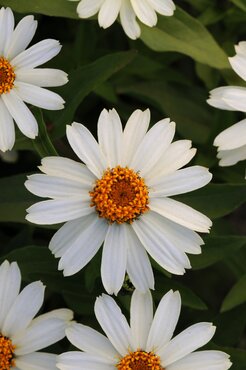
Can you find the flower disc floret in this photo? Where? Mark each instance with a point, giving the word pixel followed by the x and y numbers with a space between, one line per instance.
pixel 140 360
pixel 120 195
pixel 6 353
pixel 7 76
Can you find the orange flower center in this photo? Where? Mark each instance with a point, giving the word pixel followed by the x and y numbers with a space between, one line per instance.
pixel 120 195
pixel 7 76
pixel 140 360
pixel 6 353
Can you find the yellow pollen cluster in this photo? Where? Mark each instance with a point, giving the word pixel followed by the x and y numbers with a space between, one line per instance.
pixel 7 76
pixel 6 353
pixel 120 195
pixel 140 360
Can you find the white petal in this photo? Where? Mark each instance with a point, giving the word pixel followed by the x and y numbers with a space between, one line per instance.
pixel 78 360
pixel 138 264
pixel 186 342
pixel 24 308
pixel 153 145
pixel 230 157
pixel 181 181
pixel 113 323
pixel 86 148
pixel 164 7
pixel 6 28
pixel 56 211
pixel 10 280
pixel 181 214
pixel 37 54
pixel 91 341
pixel 22 115
pixel 165 321
pixel 110 136
pixel 134 132
pixel 229 98
pixel 21 37
pixel 108 12
pixel 203 360
pixel 61 313
pixel 84 246
pixel 114 258
pixel 39 334
pixel 38 96
pixel 44 77
pixel 36 361
pixel 149 229
pixel 67 169
pixel 88 8
pixel 144 12
pixel 128 20
pixel 233 137
pixel 141 318
pixel 55 187
pixel 7 130
pixel 238 63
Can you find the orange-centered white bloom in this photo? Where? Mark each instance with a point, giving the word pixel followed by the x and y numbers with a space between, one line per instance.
pixel 145 344
pixel 21 81
pixel 121 197
pixel 22 335
pixel 128 11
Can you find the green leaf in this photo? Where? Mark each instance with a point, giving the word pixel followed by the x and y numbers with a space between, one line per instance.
pixel 240 3
pixel 216 200
pixel 184 34
pixel 217 248
pixel 57 8
pixel 236 296
pixel 84 80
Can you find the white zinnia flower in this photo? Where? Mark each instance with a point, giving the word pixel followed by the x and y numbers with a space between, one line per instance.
pixel 108 11
pixel 121 197
pixel 21 336
pixel 144 345
pixel 20 81
pixel 231 142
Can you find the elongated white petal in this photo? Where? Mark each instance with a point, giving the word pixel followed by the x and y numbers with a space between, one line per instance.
pixel 44 77
pixel 7 130
pixel 78 360
pixel 113 323
pixel 110 136
pixel 164 7
pixel 164 322
pixel 86 148
pixel 181 181
pixel 21 37
pixel 229 98
pixel 230 157
pixel 138 265
pixel 6 28
pixel 144 12
pixel 203 360
pixel 181 214
pixel 21 313
pixel 233 137
pixel 141 318
pixel 37 54
pixel 38 96
pixel 61 313
pixel 10 280
pixel 238 63
pixel 186 342
pixel 128 20
pixel 108 12
pixel 22 115
pixel 91 341
pixel 88 8
pixel 114 258
pixel 36 361
pixel 55 211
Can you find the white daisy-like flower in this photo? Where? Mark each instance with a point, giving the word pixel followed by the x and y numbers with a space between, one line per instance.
pixel 146 344
pixel 21 81
pixel 128 10
pixel 231 142
pixel 121 197
pixel 22 335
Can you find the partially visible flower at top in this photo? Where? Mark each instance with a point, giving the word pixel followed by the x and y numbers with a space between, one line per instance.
pixel 21 81
pixel 231 142
pixel 22 335
pixel 121 197
pixel 128 10
pixel 145 344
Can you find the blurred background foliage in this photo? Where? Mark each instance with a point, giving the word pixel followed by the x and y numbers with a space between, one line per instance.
pixel 170 70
